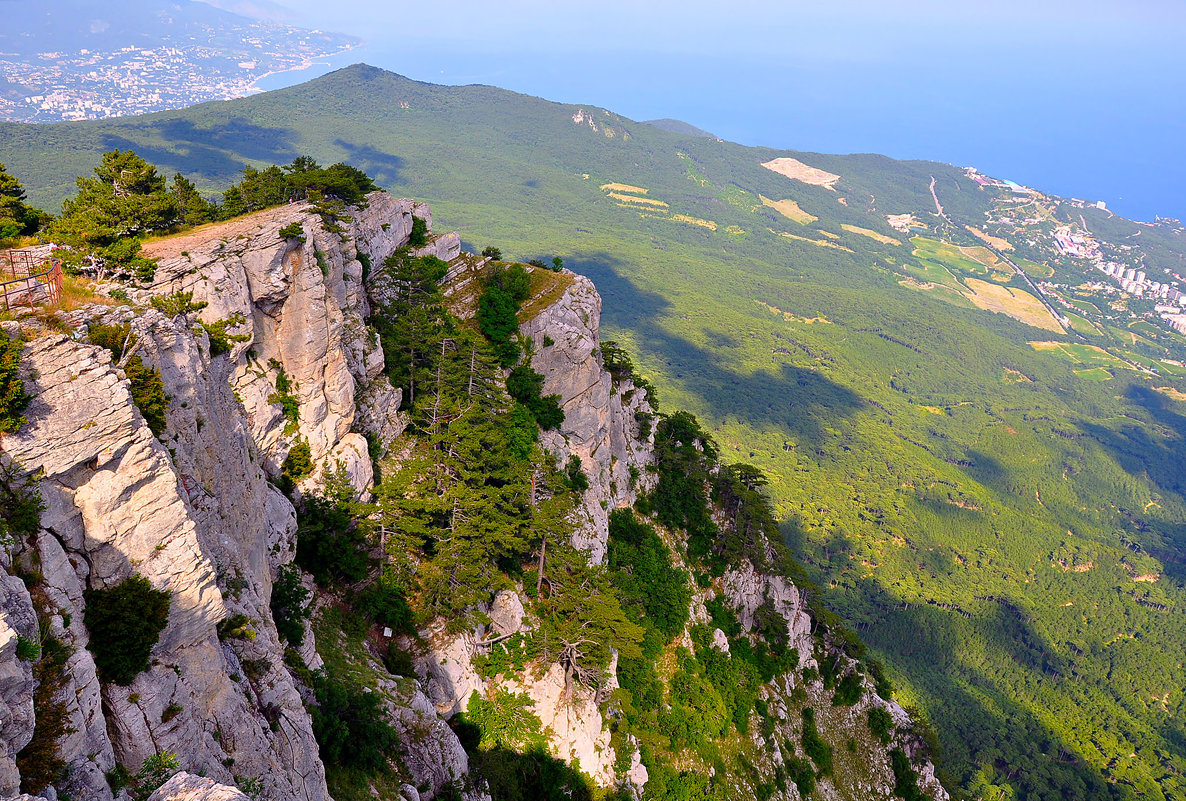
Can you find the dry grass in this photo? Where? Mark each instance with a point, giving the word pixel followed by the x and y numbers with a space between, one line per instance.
pixel 709 224
pixel 78 292
pixel 882 238
pixel 821 243
pixel 1170 392
pixel 615 187
pixel 994 241
pixel 798 171
pixel 789 209
pixel 547 287
pixel 1015 303
pixel 791 318
pixel 645 201
pixel 982 255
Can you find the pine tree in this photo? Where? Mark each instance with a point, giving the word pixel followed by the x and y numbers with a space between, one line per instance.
pixel 16 218
pixel 194 209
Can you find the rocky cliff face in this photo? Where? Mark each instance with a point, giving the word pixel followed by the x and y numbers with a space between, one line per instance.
pixel 601 426
pixel 194 511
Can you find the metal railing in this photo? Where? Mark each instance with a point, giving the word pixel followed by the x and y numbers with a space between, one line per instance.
pixel 29 278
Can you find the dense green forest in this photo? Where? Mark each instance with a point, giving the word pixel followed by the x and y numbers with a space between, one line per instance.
pixel 1003 525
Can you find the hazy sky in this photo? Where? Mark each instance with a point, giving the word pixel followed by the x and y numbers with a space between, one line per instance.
pixel 1079 98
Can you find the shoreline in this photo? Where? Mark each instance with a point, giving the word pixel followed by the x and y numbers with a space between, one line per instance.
pixel 254 87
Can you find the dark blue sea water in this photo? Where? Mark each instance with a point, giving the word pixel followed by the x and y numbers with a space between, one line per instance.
pixel 1069 124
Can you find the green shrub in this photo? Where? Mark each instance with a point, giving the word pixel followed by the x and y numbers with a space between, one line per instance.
pixel 498 320
pixel 330 545
pixel 13 400
pixel 147 389
pixel 297 465
pixel 849 689
pixel 905 777
pixel 498 310
pixel 293 231
pixel 802 774
pixel 398 661
pixel 814 745
pixel 526 385
pixel 27 649
pixel 171 711
pixel 655 592
pixel 154 772
pixel 125 622
pixel 220 340
pixel 418 238
pixel 491 252
pixel 20 505
pixel 881 682
pixel 176 304
pixel 40 762
pixel 235 627
pixel 577 480
pixel 349 725
pixel 290 405
pixel 289 601
pixel 384 602
pixel 505 720
pixel 881 723
pixel 148 393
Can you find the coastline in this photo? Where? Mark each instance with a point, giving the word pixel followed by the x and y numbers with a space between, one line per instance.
pixel 320 59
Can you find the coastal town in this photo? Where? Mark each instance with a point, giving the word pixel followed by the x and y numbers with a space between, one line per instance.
pixel 192 65
pixel 1126 281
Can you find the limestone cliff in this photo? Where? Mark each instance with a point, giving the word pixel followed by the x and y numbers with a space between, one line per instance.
pixel 601 417
pixel 194 510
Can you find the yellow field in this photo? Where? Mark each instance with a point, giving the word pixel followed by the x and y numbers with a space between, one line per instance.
pixel 823 243
pixel 1177 395
pixel 791 318
pixel 789 209
pixel 981 255
pixel 1015 303
pixel 709 224
pixel 995 241
pixel 798 171
pixel 636 190
pixel 646 201
pixel 882 238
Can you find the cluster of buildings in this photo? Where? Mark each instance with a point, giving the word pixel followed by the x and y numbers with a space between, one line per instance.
pixel 1136 283
pixel 89 84
pixel 1077 245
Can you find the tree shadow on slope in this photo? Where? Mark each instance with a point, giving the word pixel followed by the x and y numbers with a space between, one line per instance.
pixel 802 402
pixel 532 775
pixel 987 736
pixel 382 167
pixel 216 153
pixel 1146 453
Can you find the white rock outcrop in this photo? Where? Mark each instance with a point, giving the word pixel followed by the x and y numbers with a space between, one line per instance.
pixel 600 419
pixel 187 787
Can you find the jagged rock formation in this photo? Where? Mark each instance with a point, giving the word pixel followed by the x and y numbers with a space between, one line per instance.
pixel 194 511
pixel 187 787
pixel 17 618
pixel 600 415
